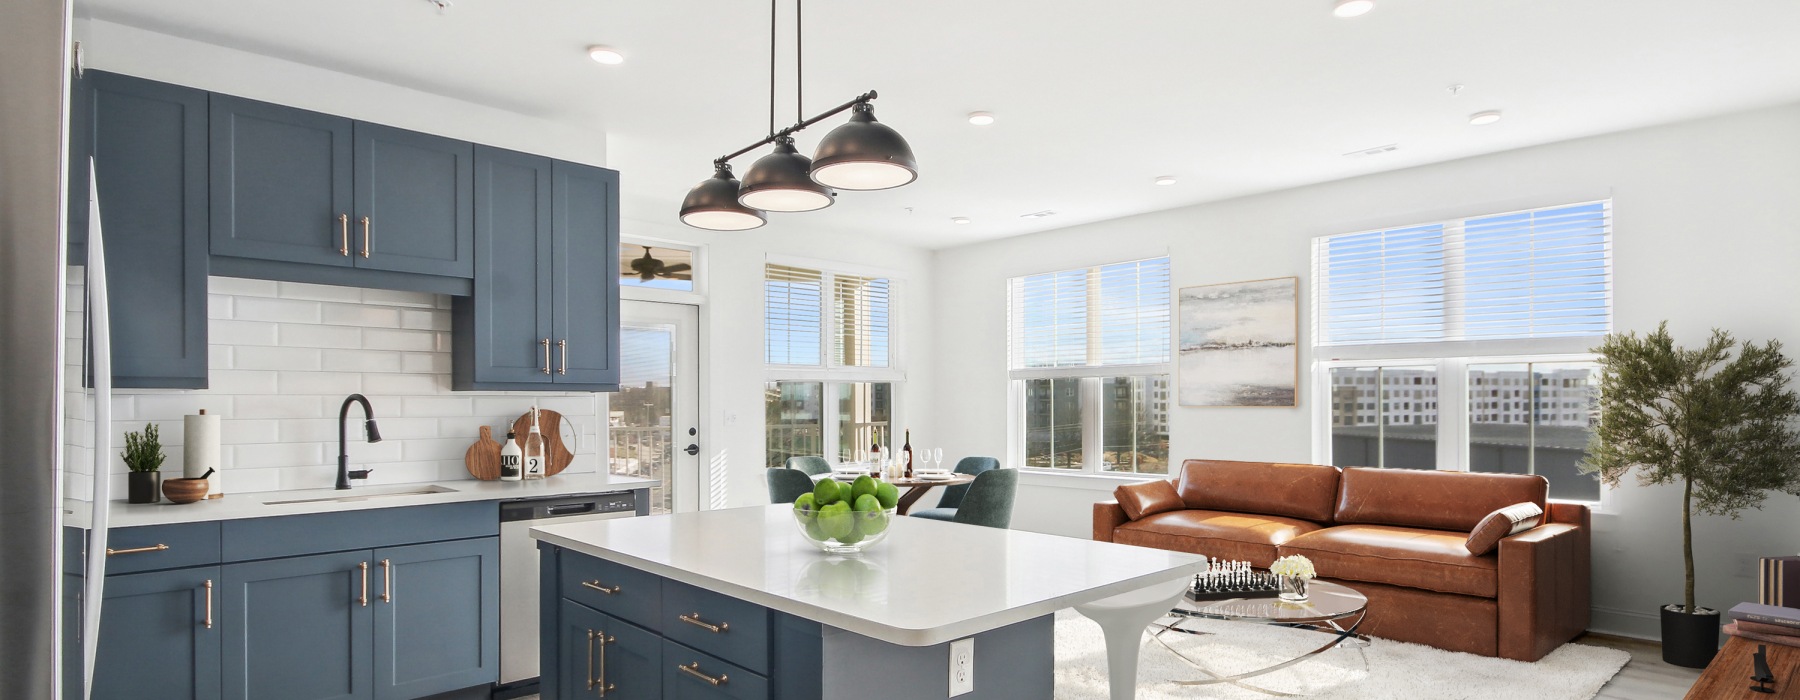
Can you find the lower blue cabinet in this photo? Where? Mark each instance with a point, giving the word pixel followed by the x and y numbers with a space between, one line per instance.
pixel 299 628
pixel 602 656
pixel 437 617
pixel 692 675
pixel 159 636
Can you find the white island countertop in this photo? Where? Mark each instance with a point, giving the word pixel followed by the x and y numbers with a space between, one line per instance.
pixel 928 583
pixel 267 504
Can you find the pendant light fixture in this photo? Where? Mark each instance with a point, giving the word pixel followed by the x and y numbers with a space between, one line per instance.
pixel 861 155
pixel 713 205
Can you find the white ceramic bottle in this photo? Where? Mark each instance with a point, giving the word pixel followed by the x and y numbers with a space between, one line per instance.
pixel 510 458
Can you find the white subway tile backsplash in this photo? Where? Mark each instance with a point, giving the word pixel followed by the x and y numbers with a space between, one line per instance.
pixel 425 320
pixel 388 297
pixel 442 448
pixel 279 406
pixel 242 432
pixel 174 406
pixel 398 384
pixel 240 381
pixel 278 454
pixel 234 332
pixel 278 310
pixel 419 341
pixel 320 292
pixel 405 428
pixel 336 384
pixel 218 357
pixel 431 363
pixel 362 361
pixel 315 336
pixel 240 287
pixel 361 315
pixel 282 358
pixel 218 306
pixel 440 406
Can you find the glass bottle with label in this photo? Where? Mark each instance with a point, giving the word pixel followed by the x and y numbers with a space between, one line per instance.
pixel 510 458
pixel 533 458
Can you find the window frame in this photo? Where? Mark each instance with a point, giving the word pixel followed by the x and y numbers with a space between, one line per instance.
pixel 1092 394
pixel 829 374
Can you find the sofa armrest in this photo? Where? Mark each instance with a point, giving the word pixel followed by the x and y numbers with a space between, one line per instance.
pixel 1545 575
pixel 1108 516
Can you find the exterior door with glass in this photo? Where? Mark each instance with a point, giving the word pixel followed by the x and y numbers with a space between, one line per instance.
pixel 654 423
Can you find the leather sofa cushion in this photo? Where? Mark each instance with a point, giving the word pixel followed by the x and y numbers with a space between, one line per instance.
pixel 1148 498
pixel 1510 520
pixel 1433 560
pixel 1304 491
pixel 1229 536
pixel 1435 500
pixel 1453 622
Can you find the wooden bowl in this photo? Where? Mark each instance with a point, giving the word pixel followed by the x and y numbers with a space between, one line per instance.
pixel 184 490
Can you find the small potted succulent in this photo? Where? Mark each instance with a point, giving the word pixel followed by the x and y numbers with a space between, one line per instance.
pixel 1294 571
pixel 144 457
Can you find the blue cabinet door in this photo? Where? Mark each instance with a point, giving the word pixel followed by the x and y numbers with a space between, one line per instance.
pixel 299 628
pixel 502 331
pixel 280 183
pixel 159 636
pixel 437 617
pixel 602 656
pixel 415 208
pixel 148 143
pixel 585 273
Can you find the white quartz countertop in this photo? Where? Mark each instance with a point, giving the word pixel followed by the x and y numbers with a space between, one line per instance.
pixel 234 506
pixel 929 582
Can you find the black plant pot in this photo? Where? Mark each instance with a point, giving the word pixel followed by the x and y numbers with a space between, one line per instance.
pixel 144 487
pixel 1690 640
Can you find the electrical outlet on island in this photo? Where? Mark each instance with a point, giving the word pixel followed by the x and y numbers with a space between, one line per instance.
pixel 962 667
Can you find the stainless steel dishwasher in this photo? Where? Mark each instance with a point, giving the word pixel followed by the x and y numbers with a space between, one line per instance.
pixel 519 568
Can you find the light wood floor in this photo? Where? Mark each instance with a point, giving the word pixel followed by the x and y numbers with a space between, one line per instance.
pixel 1645 677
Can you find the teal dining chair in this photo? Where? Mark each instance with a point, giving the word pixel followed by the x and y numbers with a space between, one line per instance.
pixel 785 485
pixel 811 465
pixel 988 502
pixel 953 495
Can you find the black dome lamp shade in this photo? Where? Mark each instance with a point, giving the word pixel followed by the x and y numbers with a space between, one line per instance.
pixel 864 154
pixel 713 205
pixel 781 181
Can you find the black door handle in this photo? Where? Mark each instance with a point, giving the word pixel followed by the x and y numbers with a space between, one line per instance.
pixel 692 449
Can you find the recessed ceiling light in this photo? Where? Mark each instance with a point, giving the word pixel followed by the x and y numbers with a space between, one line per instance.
pixel 1353 8
pixel 606 55
pixel 1165 180
pixel 981 118
pixel 1484 118
pixel 959 219
pixel 1038 214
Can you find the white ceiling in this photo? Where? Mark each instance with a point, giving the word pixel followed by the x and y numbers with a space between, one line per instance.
pixel 1093 99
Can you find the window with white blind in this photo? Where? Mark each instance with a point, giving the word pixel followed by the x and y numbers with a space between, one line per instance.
pixel 1462 345
pixel 1088 354
pixel 827 334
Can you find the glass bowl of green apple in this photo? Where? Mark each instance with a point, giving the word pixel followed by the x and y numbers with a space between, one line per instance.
pixel 846 518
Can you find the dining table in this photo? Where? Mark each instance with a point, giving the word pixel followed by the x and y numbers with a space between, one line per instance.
pixel 912 488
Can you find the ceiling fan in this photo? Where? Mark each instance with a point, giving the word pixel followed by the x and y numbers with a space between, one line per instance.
pixel 649 268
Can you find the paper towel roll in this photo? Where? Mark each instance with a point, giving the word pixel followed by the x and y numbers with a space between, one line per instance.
pixel 201 450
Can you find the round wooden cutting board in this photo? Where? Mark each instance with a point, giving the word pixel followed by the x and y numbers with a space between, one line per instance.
pixel 556 454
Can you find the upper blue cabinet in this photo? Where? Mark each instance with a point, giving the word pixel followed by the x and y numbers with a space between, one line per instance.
pixel 310 197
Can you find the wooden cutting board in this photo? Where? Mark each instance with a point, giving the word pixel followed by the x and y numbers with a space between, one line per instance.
pixel 483 457
pixel 557 455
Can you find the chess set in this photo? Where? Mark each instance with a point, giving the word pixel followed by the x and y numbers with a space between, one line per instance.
pixel 1225 580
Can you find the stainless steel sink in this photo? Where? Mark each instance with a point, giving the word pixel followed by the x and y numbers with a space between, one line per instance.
pixel 367 495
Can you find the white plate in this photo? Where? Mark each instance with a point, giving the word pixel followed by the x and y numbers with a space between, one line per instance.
pixel 939 476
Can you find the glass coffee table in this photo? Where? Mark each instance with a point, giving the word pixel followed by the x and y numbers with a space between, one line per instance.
pixel 1332 609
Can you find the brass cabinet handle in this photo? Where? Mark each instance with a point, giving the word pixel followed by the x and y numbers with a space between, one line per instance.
pixel 595 584
pixel 366 236
pixel 693 669
pixel 546 343
pixel 344 235
pixel 600 685
pixel 563 345
pixel 158 547
pixel 387 581
pixel 209 603
pixel 694 619
pixel 365 583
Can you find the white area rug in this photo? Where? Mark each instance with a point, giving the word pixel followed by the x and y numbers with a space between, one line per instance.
pixel 1395 670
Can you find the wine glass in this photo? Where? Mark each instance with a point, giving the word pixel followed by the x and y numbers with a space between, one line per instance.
pixel 937 456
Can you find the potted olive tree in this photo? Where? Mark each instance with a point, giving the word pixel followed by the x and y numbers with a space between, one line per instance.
pixel 1720 426
pixel 144 457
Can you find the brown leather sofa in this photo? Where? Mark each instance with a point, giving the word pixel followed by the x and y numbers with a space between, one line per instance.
pixel 1397 536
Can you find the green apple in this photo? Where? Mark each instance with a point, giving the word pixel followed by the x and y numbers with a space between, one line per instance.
pixel 888 494
pixel 836 521
pixel 804 505
pixel 863 486
pixel 872 523
pixel 826 491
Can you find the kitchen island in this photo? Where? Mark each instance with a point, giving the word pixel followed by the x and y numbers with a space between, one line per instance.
pixel 737 604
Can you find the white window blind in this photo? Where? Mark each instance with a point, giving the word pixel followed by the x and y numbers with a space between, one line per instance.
pixel 860 314
pixel 793 315
pixel 1105 316
pixel 1542 273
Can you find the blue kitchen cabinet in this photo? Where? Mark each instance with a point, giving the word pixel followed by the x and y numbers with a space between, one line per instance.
pixel 160 636
pixel 281 183
pixel 299 628
pixel 602 656
pixel 415 209
pixel 545 309
pixel 437 617
pixel 148 143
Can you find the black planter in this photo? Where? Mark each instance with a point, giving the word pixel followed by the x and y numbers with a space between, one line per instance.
pixel 1690 640
pixel 145 487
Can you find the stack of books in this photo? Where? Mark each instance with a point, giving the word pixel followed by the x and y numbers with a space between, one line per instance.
pixel 1765 623
pixel 1778 581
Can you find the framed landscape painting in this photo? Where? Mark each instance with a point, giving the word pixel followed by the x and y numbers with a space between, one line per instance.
pixel 1239 343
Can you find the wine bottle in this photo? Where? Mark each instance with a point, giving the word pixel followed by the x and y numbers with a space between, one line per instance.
pixel 510 457
pixel 534 450
pixel 906 449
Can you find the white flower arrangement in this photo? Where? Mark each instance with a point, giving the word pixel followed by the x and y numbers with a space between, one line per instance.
pixel 1293 565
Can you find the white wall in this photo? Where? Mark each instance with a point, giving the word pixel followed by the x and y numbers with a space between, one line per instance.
pixel 1707 233
pixel 146 54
